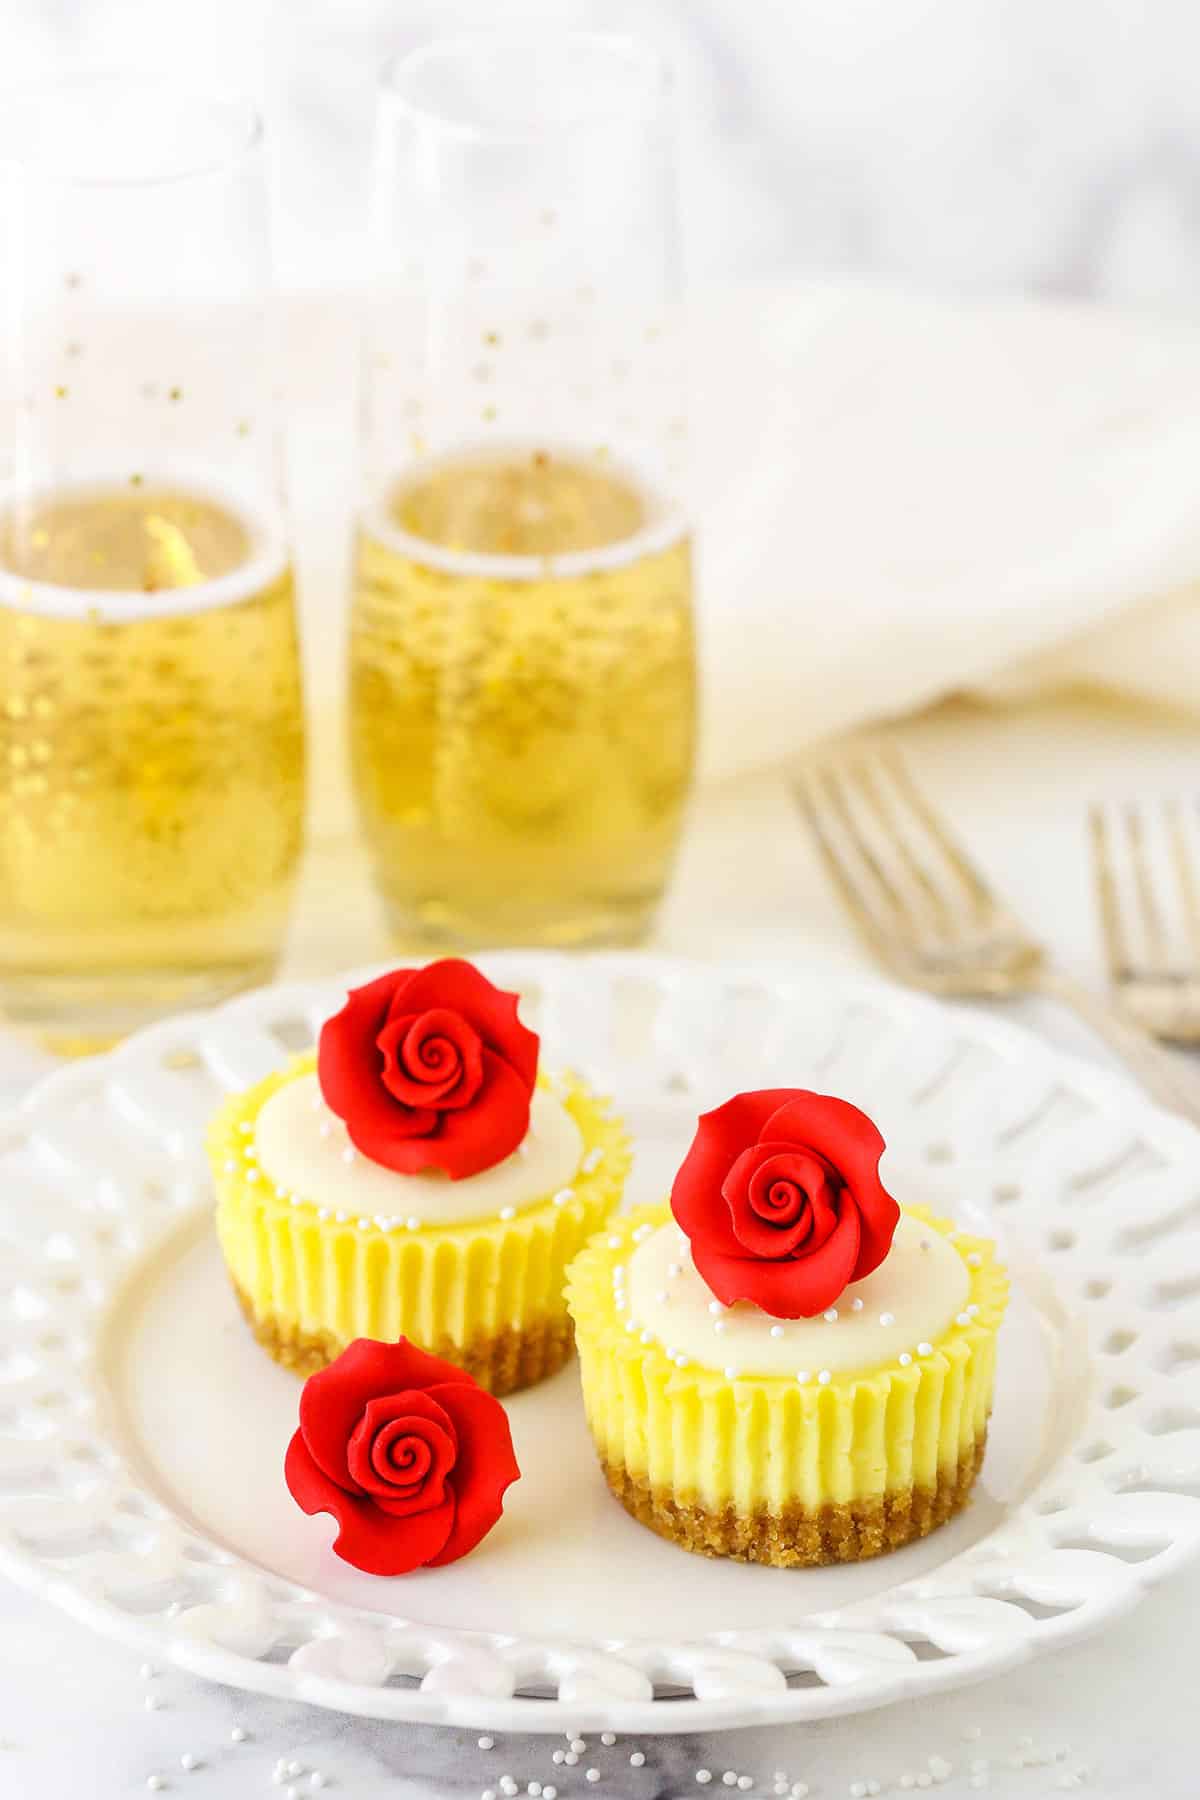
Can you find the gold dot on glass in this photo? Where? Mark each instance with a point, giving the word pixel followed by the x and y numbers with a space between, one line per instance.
pixel 489 413
pixel 416 443
pixel 136 480
pixel 175 393
pixel 243 428
pixel 602 453
pixel 492 338
pixel 60 393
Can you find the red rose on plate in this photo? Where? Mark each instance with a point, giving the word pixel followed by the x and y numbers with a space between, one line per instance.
pixel 409 1454
pixel 430 1069
pixel 781 1198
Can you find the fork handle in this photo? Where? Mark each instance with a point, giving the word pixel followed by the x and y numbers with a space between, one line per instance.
pixel 1151 1066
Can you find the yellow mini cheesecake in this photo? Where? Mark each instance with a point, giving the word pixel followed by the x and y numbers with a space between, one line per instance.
pixel 793 1441
pixel 324 1244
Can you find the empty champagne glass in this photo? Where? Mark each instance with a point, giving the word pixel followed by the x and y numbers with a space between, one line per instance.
pixel 521 652
pixel 151 737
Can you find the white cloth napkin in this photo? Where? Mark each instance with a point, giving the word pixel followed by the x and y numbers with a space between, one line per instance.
pixel 898 498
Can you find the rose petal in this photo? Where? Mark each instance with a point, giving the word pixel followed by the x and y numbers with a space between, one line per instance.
pixel 334 1399
pixel 401 1043
pixel 762 1167
pixel 486 1466
pixel 851 1143
pixel 367 1537
pixel 420 1416
pixel 462 988
pixel 476 1138
pixel 721 1137
pixel 794 1288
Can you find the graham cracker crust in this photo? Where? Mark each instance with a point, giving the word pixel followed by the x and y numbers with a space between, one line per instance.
pixel 510 1360
pixel 798 1538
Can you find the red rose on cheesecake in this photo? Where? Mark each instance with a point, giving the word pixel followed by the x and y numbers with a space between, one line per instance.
pixel 430 1069
pixel 781 1198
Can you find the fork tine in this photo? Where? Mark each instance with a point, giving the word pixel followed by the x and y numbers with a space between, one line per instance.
pixel 836 783
pixel 917 872
pixel 1143 881
pixel 863 905
pixel 938 833
pixel 1189 886
pixel 1116 947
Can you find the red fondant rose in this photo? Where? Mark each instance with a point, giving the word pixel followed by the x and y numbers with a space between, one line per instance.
pixel 408 1453
pixel 430 1069
pixel 781 1198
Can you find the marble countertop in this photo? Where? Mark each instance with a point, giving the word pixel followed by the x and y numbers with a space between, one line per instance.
pixel 80 1718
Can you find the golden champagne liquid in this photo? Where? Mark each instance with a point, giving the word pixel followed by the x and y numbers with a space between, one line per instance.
pixel 522 699
pixel 151 753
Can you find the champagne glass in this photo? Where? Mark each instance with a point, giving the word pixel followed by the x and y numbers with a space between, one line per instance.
pixel 521 650
pixel 151 734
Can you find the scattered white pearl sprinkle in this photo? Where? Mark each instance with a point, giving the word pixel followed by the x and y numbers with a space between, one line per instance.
pixel 362 1223
pixel 534 1790
pixel 924 1779
pixel 646 1338
pixel 802 1375
pixel 608 1737
pixel 549 1792
pixel 703 1777
pixel 324 1129
pixel 924 1349
pixel 578 1746
pixel 642 1233
pixel 592 1160
pixel 973 1259
pixel 904 1358
pixel 719 1326
pixel 238 1734
pixel 680 1361
pixel 488 1794
pixel 662 1296
pixel 508 1786
pixel 858 1790
pixel 349 1153
pixel 716 1306
pixel 614 1243
pixel 887 1318
pixel 231 1165
pixel 508 1212
pixel 730 1778
pixel 972 1310
pixel 246 1125
pixel 940 1769
pixel 730 1374
pixel 591 1774
pixel 339 1218
pixel 412 1224
pixel 152 1703
pixel 148 1672
pixel 565 1196
pixel 322 1212
pixel 571 1758
pixel 631 1324
pixel 317 1778
pixel 777 1331
pixel 745 1783
pixel 830 1315
pixel 155 1783
pixel 292 1792
pixel 856 1304
pixel 251 1174
pixel 907 1780
pixel 487 1743
pixel 799 1790
pixel 674 1270
pixel 189 1761
pixel 962 1318
pixel 637 1759
pixel 557 1757
pixel 295 1768
pixel 824 1377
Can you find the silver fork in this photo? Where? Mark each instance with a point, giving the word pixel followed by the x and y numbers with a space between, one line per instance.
pixel 1152 936
pixel 931 918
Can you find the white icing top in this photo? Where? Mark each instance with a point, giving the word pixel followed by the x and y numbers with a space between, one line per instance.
pixel 914 1295
pixel 303 1150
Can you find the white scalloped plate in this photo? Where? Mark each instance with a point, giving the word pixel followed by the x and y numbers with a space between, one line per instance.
pixel 142 1432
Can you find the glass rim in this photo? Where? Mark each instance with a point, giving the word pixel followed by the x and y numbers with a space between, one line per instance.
pixel 245 136
pixel 637 53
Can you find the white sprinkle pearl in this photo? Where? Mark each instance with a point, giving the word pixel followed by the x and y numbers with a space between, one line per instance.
pixel 886 1318
pixel 646 1338
pixel 534 1790
pixel 508 1786
pixel 940 1769
pixel 802 1375
pixel 238 1734
pixel 147 1671
pixel 662 1296
pixel 592 1160
pixel 295 1768
pixel 549 1792
pixel 719 1326
pixel 974 1259
pixel 680 1361
pixel 324 1129
pixel 349 1153
pixel 730 1374
pixel 799 1790
pixel 858 1790
pixel 924 1779
pixel 251 1174
pixel 745 1783
pixel 557 1757
pixel 155 1783
pixel 716 1306
pixel 830 1317
pixel 924 1349
pixel 963 1318
pixel 637 1759
pixel 591 1774
pixel 856 1304
pixel 488 1794
pixel 614 1243
pixel 777 1331
pixel 564 1196
pixel 907 1781
pixel 508 1212
pixel 703 1777
pixel 487 1743
pixel 578 1746
pixel 188 1761
pixel 230 1165
pixel 152 1703
pixel 673 1270
pixel 412 1224
pixel 608 1738
pixel 904 1358
pixel 730 1778
pixel 824 1377
pixel 316 1779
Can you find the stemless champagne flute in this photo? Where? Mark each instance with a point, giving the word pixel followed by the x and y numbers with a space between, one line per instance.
pixel 521 654
pixel 151 734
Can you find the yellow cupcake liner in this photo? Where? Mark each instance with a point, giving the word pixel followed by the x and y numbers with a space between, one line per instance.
pixel 691 1440
pixel 486 1293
